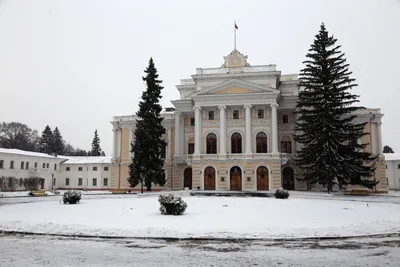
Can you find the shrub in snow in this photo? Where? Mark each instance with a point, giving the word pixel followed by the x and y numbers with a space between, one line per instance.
pixel 72 197
pixel 281 193
pixel 8 183
pixel 171 205
pixel 32 183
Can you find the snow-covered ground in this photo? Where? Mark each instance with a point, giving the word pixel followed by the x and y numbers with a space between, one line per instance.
pixel 50 193
pixel 17 251
pixel 223 217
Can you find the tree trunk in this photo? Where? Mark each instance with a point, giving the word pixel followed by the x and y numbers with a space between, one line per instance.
pixel 141 187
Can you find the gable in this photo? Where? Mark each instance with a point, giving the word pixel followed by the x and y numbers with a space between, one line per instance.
pixel 235 86
pixel 234 90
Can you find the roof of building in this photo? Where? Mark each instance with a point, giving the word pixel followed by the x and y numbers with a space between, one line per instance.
pixel 86 160
pixel 25 153
pixel 392 156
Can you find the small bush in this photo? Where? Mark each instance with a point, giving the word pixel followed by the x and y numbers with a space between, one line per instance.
pixel 72 197
pixel 281 193
pixel 171 205
pixel 32 183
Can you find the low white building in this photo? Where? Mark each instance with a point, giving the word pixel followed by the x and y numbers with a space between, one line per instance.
pixel 25 164
pixel 392 161
pixel 92 173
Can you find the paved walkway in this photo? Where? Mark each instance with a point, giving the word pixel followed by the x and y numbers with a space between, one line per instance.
pixel 37 251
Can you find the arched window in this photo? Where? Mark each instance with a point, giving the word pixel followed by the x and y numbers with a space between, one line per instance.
pixel 211 144
pixel 236 143
pixel 286 145
pixel 261 142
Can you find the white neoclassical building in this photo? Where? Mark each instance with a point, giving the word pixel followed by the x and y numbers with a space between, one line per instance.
pixel 392 161
pixel 232 129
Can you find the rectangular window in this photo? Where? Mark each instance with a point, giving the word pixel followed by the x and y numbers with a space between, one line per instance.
pixel 105 182
pixel 191 121
pixel 67 181
pixel 27 165
pixel 235 114
pixel 2 164
pixel 11 164
pixel 80 180
pixel 105 168
pixel 190 148
pixel 44 165
pixel 398 166
pixel 285 118
pixel 260 114
pixel 94 182
pixel 36 165
pixel 54 181
pixel 47 165
pixel 163 151
pixel 94 169
pixel 386 166
pixel 286 147
pixel 80 169
pixel 211 115
pixel 22 165
pixel 67 169
pixel 55 166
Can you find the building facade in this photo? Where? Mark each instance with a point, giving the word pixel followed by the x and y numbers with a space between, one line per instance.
pixel 392 161
pixel 232 129
pixel 89 173
pixel 25 164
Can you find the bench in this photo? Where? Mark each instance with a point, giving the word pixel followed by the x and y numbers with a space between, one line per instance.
pixel 39 193
pixel 118 191
pixel 359 192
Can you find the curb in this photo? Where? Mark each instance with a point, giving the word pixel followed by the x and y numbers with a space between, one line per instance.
pixel 10 233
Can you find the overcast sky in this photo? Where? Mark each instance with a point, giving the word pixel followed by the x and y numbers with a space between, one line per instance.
pixel 77 63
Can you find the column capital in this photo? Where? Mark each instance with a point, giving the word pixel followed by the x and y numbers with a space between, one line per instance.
pixel 177 112
pixel 222 107
pixel 247 106
pixel 274 105
pixel 197 107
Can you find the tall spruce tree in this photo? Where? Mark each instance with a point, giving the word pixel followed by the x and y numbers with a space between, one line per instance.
pixel 58 142
pixel 96 149
pixel 147 165
pixel 326 125
pixel 46 141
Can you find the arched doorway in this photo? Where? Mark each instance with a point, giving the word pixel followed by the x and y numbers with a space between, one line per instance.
pixel 187 178
pixel 236 179
pixel 288 178
pixel 209 178
pixel 262 178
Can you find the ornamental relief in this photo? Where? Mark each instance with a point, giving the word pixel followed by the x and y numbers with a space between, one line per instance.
pixel 262 121
pixel 286 126
pixel 236 122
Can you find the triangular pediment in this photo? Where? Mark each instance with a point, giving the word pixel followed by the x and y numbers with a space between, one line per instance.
pixel 235 86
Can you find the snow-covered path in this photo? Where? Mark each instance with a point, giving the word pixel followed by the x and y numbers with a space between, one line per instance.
pixel 19 251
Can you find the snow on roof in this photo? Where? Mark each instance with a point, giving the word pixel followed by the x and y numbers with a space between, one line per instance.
pixel 25 153
pixel 392 156
pixel 87 160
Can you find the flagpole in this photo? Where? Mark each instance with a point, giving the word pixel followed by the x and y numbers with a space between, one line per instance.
pixel 234 35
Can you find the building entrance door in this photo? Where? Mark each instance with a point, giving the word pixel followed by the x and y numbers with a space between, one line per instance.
pixel 236 179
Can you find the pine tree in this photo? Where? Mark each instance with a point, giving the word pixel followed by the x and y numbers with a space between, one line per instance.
pixel 147 165
pixel 388 149
pixel 96 150
pixel 58 142
pixel 326 125
pixel 46 141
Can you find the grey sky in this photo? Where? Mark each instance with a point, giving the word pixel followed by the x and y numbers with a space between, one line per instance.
pixel 77 63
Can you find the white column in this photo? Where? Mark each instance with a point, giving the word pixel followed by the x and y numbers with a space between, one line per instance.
pixel 380 152
pixel 182 136
pixel 119 143
pixel 177 132
pixel 130 141
pixel 248 128
pixel 274 122
pixel 373 139
pixel 169 144
pixel 197 129
pixel 114 153
pixel 222 128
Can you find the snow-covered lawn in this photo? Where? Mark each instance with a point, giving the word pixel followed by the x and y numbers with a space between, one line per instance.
pixel 205 217
pixel 49 193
